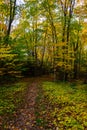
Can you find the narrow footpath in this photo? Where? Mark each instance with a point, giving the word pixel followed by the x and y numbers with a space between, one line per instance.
pixel 25 117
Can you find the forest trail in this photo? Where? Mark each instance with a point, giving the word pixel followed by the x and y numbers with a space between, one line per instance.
pixel 24 118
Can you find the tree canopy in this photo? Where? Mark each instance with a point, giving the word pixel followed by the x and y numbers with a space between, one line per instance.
pixel 42 36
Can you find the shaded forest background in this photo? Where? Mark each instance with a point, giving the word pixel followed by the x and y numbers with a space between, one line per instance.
pixel 43 37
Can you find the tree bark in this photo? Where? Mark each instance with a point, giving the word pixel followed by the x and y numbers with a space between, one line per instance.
pixel 11 18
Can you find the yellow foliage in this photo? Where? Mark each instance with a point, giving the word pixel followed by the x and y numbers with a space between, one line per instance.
pixel 60 64
pixel 60 44
pixel 6 52
pixel 7 57
pixel 3 29
pixel 14 72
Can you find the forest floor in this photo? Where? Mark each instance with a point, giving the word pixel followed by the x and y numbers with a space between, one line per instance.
pixel 24 117
pixel 45 105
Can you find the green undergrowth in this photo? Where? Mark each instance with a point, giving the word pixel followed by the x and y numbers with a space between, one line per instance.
pixel 62 106
pixel 11 97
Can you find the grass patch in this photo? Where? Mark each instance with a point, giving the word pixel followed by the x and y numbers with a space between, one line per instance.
pixel 63 106
pixel 11 97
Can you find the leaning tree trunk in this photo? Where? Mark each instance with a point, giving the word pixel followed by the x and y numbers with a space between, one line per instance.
pixel 12 6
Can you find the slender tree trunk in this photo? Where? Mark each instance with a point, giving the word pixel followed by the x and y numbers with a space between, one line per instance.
pixel 67 9
pixel 54 37
pixel 43 52
pixel 76 63
pixel 11 18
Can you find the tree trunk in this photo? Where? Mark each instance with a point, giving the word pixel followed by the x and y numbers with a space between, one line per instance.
pixel 11 18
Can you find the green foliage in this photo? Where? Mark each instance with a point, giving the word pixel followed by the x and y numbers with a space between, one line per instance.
pixel 63 105
pixel 12 61
pixel 51 32
pixel 11 97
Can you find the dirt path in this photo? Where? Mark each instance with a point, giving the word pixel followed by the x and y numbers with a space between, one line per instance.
pixel 25 117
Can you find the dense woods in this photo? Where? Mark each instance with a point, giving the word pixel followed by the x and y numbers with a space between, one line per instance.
pixel 43 37
pixel 43 64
